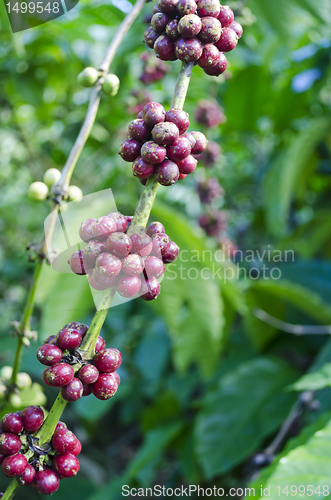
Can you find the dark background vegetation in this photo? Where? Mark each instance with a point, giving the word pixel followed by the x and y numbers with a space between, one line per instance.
pixel 205 384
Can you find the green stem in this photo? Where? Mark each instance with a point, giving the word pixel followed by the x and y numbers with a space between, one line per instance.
pixel 11 490
pixel 182 84
pixel 46 431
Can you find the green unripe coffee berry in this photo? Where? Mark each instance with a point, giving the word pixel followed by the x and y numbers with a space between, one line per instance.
pixel 111 85
pixel 38 191
pixel 75 193
pixel 88 77
pixel 2 391
pixel 15 400
pixel 23 380
pixel 51 176
pixel 6 373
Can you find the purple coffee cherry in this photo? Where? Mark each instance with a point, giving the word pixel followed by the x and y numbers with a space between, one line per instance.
pixel 76 263
pixel 108 264
pixel 227 41
pixel 188 49
pixel 85 230
pixel 108 361
pixel 33 418
pixel 49 354
pixel 119 244
pixel 51 339
pixel 79 327
pixel 153 113
pixel 179 117
pixel 210 56
pixel 210 8
pixel 179 149
pixel 128 286
pixel 87 390
pixel 64 441
pixel 185 7
pixel 200 143
pixel 161 244
pixel 141 168
pixel 237 28
pixel 132 265
pixel 191 138
pixel 172 253
pixel 167 173
pixel 68 339
pixel 188 165
pixel 100 345
pixel 141 243
pixel 14 465
pixel 138 130
pixel 150 37
pixel 27 477
pixel 105 387
pixel 130 150
pixel 66 465
pixel 72 391
pixel 154 267
pixel 172 30
pixel 92 250
pixel 159 22
pixel 88 374
pixel 189 26
pixel 10 444
pixel 94 284
pixel 211 30
pixel 117 378
pixel 120 221
pixel 103 227
pixel 58 375
pixel 156 9
pixel 167 6
pixel 218 68
pixel 153 153
pixel 164 48
pixel 47 482
pixel 154 228
pixel 103 281
pixel 12 422
pixel 226 16
pixel 165 133
pixel 150 289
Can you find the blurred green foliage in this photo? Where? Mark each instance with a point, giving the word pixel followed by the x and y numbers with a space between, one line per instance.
pixel 205 384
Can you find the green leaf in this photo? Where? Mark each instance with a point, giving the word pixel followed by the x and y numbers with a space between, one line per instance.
pixel 314 381
pixel 247 405
pixel 282 179
pixel 320 9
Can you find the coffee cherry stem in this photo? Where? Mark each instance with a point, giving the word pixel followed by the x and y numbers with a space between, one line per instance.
pixel 46 431
pixel 11 490
pixel 182 84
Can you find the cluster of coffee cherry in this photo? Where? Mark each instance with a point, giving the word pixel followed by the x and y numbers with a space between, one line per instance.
pixel 97 376
pixel 159 144
pixel 153 69
pixel 131 263
pixel 193 31
pixel 39 466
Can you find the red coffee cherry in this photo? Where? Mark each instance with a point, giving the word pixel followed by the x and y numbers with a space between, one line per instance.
pixel 103 281
pixel 88 374
pixel 209 57
pixel 33 418
pixel 108 264
pixel 64 441
pixel 49 354
pixel 188 165
pixel 128 286
pixel 94 284
pixel 164 48
pixel 154 228
pixel 72 391
pixel 165 133
pixel 185 7
pixel 9 444
pixel 172 30
pixel 138 130
pixel 58 375
pixel 209 8
pixel 159 22
pixel 85 230
pixel 120 221
pixel 51 339
pixel 141 168
pixel 87 390
pixel 227 41
pixel 150 36
pixel 47 482
pixel 179 117
pixel 119 244
pixel 141 243
pixel 103 227
pixel 150 289
pixel 92 250
pixel 237 28
pixel 14 465
pixel 100 345
pixel 12 422
pixel 108 361
pixel 200 143
pixel 161 244
pixel 211 30
pixel 66 465
pixel 172 253
pixel 78 448
pixel 166 173
pixel 218 68
pixel 167 6
pixel 188 49
pixel 189 26
pixel 68 339
pixel 27 477
pixel 226 16
pixel 179 149
pixel 60 425
pixel 132 265
pixel 130 149
pixel 154 267
pixel 117 378
pixel 105 387
pixel 153 113
pixel 153 153
pixel 76 263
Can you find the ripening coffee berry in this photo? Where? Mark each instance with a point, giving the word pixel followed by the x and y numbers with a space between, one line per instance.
pixel 150 37
pixel 108 360
pixel 237 28
pixel 76 263
pixel 150 289
pixel 111 84
pixel 47 482
pixel 179 149
pixel 68 339
pixel 49 354
pixel 60 425
pixel 66 465
pixel 117 378
pixel 33 418
pixel 120 221
pixel 85 230
pixel 227 41
pixel 172 253
pixel 209 57
pixel 185 7
pixel 165 133
pixel 159 22
pixel 211 30
pixel 108 264
pixel 88 374
pixel 226 16
pixel 128 286
pixel 130 149
pixel 103 227
pixel 105 387
pixel 153 153
pixel 9 444
pixel 154 267
pixel 161 244
pixel 51 339
pixel 119 244
pixel 156 9
pixel 14 465
pixel 12 422
pixel 141 243
pixel 188 165
pixel 141 168
pixel 100 345
pixel 104 281
pixel 166 173
pixel 74 193
pixel 52 175
pixel 78 448
pixel 132 265
pixel 200 143
pixel 138 130
pixel 188 49
pixel 172 30
pixel 154 228
pixel 88 77
pixel 58 375
pixel 218 68
pixel 164 48
pixel 189 26
pixel 167 6
pixel 153 113
pixel 38 191
pixel 72 391
pixel 209 8
pixel 27 477
pixel 93 284
pixel 179 117
pixel 92 250
pixel 64 441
